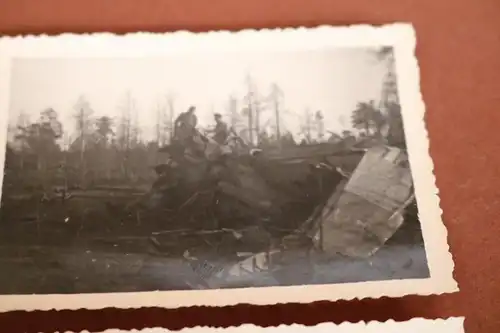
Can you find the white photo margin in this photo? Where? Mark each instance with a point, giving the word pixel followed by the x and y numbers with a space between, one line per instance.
pixel 415 325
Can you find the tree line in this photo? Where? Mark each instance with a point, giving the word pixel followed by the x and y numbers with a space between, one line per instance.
pixel 107 150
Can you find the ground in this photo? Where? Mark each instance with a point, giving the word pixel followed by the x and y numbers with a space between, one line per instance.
pixel 90 263
pixel 44 270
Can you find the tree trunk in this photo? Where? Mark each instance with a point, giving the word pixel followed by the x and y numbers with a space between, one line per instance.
pixel 257 123
pixel 277 115
pixel 250 123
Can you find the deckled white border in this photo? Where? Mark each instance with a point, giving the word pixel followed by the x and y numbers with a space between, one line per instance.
pixel 415 325
pixel 400 36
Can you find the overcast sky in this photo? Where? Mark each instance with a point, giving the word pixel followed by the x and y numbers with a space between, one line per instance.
pixel 332 80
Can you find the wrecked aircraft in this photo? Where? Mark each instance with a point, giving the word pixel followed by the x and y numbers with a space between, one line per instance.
pixel 250 208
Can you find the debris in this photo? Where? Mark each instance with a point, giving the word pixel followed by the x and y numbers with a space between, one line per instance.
pixel 358 220
pixel 248 197
pixel 252 263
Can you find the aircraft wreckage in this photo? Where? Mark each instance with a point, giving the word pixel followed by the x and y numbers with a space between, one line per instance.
pixel 233 212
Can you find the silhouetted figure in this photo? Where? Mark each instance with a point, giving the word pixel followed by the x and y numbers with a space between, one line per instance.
pixel 185 129
pixel 220 131
pixel 185 124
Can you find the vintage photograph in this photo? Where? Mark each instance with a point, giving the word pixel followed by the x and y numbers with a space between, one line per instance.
pixel 227 169
pixel 416 325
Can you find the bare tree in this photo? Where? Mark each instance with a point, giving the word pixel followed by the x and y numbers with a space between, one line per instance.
pixel 276 97
pixel 249 109
pixel 389 89
pixel 84 130
pixel 232 112
pixel 65 164
pixel 389 102
pixel 308 126
pixel 169 126
pixel 165 113
pixel 136 132
pixel 125 131
pixel 160 113
pixel 104 133
pixel 258 108
pixel 253 110
pixel 135 128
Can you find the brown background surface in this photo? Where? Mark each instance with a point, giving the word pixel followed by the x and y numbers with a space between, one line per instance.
pixel 459 54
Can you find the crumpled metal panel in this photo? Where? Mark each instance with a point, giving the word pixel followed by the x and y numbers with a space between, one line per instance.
pixel 370 208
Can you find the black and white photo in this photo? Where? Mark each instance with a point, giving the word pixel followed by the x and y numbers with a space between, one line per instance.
pixel 265 166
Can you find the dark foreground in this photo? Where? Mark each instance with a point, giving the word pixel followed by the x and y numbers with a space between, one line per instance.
pixel 64 271
pixel 133 263
pixel 101 254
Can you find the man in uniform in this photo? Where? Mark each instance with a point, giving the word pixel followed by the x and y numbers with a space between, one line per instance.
pixel 185 124
pixel 220 131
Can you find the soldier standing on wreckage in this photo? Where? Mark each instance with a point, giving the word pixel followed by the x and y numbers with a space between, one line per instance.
pixel 220 131
pixel 185 126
